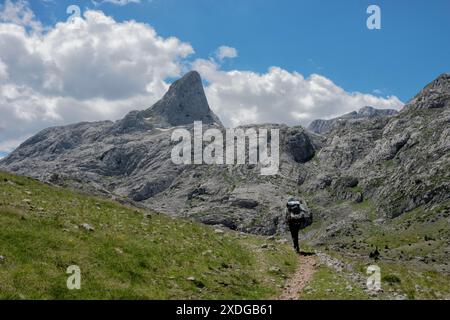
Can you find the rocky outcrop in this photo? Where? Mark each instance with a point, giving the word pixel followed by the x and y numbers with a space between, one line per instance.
pixel 300 146
pixel 434 95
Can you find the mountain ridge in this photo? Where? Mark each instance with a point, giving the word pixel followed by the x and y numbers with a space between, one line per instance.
pixel 322 126
pixel 435 95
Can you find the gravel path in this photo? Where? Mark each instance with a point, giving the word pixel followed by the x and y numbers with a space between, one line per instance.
pixel 304 273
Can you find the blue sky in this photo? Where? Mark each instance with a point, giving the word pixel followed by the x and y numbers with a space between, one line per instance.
pixel 315 36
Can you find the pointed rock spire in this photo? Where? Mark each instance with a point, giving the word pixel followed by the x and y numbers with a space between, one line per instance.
pixel 184 103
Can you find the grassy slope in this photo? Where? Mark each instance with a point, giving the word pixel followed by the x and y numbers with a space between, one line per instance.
pixel 328 284
pixel 413 247
pixel 131 254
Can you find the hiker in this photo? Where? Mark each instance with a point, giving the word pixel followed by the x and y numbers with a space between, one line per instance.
pixel 297 217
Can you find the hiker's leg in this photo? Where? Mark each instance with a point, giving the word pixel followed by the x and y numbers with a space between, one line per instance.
pixel 294 233
pixel 297 247
pixel 291 229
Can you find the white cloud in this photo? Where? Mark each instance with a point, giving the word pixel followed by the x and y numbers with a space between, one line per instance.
pixel 224 52
pixel 93 57
pixel 279 96
pixel 95 68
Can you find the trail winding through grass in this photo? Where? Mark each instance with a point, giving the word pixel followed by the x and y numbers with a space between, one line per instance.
pixel 304 273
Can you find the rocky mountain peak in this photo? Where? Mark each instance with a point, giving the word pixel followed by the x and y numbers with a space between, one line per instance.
pixel 435 95
pixel 440 84
pixel 184 103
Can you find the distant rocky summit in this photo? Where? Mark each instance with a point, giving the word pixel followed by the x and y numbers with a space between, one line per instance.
pixel 323 126
pixel 398 161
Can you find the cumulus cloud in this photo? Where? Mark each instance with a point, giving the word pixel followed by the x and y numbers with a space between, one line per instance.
pixel 224 52
pixel 91 57
pixel 90 69
pixel 279 96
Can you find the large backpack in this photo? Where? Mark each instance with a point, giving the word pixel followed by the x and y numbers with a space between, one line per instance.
pixel 299 213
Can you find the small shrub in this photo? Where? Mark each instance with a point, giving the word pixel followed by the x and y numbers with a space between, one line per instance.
pixel 392 279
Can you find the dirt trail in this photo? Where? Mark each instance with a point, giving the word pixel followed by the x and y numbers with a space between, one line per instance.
pixel 304 273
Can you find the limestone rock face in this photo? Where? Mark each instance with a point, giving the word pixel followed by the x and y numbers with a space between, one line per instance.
pixel 434 95
pixel 401 162
pixel 184 103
